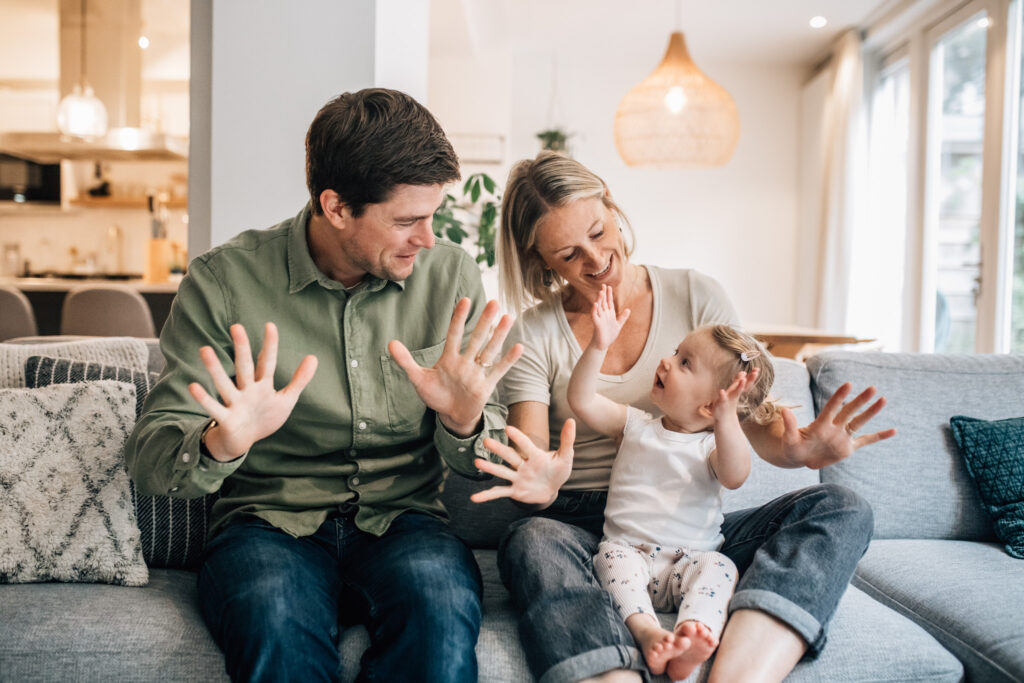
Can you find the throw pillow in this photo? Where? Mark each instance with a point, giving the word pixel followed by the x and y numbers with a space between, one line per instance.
pixel 994 455
pixel 173 529
pixel 65 505
pixel 119 351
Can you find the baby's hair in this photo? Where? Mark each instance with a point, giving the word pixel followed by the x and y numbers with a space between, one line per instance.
pixel 746 354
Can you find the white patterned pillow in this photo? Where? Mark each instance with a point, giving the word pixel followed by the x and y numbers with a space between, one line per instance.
pixel 126 352
pixel 66 513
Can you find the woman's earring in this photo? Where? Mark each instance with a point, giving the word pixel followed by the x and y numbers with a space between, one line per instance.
pixel 546 278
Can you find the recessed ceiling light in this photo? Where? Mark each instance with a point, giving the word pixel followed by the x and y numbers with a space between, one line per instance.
pixel 143 42
pixel 818 22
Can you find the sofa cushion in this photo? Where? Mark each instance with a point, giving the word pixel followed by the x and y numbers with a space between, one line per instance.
pixel 994 455
pixel 968 595
pixel 916 481
pixel 173 530
pixel 61 632
pixel 65 505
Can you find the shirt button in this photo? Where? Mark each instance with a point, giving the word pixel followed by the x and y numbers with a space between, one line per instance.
pixel 186 457
pixel 352 453
pixel 354 481
pixel 355 363
pixel 462 449
pixel 362 425
pixel 174 489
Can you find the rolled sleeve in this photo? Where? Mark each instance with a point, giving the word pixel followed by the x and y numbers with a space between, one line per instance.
pixel 459 453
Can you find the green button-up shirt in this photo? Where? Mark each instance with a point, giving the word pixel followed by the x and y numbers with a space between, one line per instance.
pixel 359 433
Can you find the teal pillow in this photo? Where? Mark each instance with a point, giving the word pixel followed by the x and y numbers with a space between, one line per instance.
pixel 994 455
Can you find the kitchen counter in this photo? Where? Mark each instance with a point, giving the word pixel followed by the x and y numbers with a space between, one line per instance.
pixel 63 284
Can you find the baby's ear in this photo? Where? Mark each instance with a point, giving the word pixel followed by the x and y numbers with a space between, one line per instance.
pixel 705 411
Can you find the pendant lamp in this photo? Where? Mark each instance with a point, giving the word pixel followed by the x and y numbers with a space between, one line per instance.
pixel 677 117
pixel 81 114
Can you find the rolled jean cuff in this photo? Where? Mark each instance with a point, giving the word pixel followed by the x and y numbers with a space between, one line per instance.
pixel 595 662
pixel 791 614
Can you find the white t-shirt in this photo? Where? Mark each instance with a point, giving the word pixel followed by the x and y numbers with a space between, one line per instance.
pixel 663 490
pixel 683 301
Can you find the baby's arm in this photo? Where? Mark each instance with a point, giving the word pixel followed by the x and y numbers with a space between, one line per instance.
pixel 731 457
pixel 599 413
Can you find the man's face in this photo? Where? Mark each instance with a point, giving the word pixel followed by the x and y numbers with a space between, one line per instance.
pixel 385 240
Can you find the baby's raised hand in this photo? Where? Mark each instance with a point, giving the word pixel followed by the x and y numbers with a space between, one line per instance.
pixel 727 402
pixel 606 324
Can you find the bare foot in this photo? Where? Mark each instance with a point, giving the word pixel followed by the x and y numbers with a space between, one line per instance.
pixel 702 644
pixel 658 645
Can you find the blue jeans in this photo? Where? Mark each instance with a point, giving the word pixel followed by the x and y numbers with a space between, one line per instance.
pixel 276 604
pixel 796 555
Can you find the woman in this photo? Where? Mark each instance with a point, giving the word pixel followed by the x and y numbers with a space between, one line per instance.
pixel 562 238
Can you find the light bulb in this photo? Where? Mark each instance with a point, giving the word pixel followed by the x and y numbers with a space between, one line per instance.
pixel 143 42
pixel 675 100
pixel 82 114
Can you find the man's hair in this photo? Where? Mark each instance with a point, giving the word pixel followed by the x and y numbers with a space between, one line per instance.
pixel 363 144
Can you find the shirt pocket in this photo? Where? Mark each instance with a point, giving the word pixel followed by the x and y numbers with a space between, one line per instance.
pixel 405 408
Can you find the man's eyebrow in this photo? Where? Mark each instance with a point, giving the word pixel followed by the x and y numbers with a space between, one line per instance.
pixel 410 219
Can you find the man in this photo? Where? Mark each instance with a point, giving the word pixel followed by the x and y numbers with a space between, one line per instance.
pixel 329 508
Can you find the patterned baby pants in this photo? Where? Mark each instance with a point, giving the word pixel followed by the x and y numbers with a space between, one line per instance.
pixel 644 578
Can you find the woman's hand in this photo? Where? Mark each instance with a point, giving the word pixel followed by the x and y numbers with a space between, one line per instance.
pixel 461 382
pixel 832 436
pixel 606 324
pixel 252 409
pixel 534 475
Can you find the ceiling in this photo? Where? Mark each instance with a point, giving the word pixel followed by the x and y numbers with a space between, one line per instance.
pixel 720 31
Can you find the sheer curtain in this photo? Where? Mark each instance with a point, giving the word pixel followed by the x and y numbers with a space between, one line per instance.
pixel 842 180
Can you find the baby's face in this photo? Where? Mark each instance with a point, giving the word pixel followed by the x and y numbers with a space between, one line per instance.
pixel 688 379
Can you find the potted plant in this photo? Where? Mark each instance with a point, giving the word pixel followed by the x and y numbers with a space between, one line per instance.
pixel 476 210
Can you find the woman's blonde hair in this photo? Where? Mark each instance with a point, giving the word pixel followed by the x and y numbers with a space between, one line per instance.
pixel 535 187
pixel 746 354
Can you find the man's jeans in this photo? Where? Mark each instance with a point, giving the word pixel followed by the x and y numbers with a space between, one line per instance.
pixel 275 603
pixel 795 555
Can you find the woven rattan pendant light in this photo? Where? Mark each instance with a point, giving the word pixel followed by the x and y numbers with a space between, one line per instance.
pixel 677 117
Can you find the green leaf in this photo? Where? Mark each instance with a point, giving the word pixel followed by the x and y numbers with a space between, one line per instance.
pixel 475 192
pixel 465 188
pixel 488 215
pixel 456 234
pixel 489 183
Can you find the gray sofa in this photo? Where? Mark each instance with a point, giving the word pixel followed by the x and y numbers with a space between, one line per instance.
pixel 934 598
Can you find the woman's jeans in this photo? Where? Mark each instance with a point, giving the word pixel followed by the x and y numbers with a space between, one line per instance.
pixel 795 555
pixel 275 603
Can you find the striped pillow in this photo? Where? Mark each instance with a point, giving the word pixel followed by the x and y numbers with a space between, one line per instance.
pixel 173 530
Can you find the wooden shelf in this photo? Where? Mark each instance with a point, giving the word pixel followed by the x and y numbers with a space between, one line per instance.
pixel 123 203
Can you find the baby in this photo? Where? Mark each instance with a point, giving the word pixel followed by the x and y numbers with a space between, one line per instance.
pixel 664 513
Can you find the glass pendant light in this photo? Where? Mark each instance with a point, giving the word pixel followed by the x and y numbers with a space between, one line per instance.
pixel 81 114
pixel 677 117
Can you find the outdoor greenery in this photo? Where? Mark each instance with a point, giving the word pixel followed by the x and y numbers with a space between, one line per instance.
pixel 474 215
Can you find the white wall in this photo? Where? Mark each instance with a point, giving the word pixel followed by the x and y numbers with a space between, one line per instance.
pixel 737 223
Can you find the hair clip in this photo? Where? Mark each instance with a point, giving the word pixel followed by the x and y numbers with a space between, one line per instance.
pixel 748 356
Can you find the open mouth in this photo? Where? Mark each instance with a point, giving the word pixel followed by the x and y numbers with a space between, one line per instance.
pixel 658 383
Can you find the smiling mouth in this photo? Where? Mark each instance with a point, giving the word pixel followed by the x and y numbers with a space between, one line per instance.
pixel 603 272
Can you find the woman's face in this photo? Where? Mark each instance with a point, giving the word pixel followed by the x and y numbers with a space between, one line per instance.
pixel 582 243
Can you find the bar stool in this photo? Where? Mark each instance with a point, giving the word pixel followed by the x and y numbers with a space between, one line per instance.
pixel 16 316
pixel 104 311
